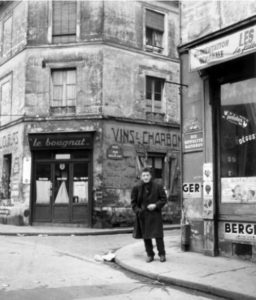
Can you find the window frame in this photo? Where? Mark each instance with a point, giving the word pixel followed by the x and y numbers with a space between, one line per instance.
pixel 64 107
pixel 152 103
pixel 50 27
pixel 154 48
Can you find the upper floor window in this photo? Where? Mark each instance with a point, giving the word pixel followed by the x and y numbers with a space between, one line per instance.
pixel 154 31
pixel 154 93
pixel 63 90
pixel 64 21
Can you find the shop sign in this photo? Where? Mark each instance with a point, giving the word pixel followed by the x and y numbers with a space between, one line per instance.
pixel 60 141
pixel 4 212
pixel 232 46
pixel 149 137
pixel 193 141
pixel 238 190
pixel 192 190
pixel 115 152
pixel 240 231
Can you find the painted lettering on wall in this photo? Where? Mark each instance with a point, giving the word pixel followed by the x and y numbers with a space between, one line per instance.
pixel 9 140
pixel 146 137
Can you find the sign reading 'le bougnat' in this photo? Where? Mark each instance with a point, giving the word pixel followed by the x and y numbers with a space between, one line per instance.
pixel 240 231
pixel 234 45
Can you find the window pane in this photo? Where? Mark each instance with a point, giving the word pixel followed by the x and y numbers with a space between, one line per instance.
pixel 57 92
pixel 238 141
pixel 157 39
pixel 149 36
pixel 57 77
pixel 71 76
pixel 71 92
pixel 148 88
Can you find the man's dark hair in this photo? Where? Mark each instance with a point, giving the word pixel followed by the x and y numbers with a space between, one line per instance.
pixel 146 169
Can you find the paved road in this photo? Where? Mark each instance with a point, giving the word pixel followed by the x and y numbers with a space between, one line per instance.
pixel 64 268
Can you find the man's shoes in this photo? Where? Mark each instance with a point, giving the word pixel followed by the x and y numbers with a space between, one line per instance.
pixel 149 259
pixel 162 258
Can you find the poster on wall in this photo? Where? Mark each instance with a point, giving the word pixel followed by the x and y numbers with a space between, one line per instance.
pixel 238 190
pixel 207 172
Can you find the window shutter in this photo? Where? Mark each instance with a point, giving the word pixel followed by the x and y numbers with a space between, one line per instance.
pixel 154 20
pixel 64 17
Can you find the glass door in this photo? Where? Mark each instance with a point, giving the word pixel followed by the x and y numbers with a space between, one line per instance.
pixel 61 192
pixel 42 192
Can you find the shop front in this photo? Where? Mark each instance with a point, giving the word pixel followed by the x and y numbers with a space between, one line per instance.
pixel 219 109
pixel 61 177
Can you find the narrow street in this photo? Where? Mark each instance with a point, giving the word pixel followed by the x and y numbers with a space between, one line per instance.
pixel 60 268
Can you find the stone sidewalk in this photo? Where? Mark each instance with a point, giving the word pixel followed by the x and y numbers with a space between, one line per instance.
pixel 225 277
pixel 61 230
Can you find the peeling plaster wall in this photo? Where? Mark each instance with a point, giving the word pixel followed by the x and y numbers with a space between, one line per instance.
pixel 124 84
pixel 200 18
pixel 88 62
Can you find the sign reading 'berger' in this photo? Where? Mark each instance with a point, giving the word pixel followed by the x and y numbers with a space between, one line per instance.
pixel 240 231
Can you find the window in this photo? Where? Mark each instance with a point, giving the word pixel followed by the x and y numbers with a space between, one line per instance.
pixel 64 21
pixel 63 90
pixel 154 93
pixel 7 37
pixel 238 141
pixel 154 31
pixel 6 176
pixel 6 99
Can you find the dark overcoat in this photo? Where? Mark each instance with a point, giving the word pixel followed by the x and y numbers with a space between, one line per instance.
pixel 148 224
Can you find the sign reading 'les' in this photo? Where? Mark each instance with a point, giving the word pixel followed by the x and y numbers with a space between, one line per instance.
pixel 236 44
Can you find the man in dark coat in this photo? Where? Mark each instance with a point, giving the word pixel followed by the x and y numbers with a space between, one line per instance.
pixel 147 200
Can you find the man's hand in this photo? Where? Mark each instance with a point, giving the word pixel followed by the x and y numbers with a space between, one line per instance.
pixel 151 206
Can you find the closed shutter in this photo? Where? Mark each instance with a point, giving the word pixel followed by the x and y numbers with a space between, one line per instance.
pixel 154 20
pixel 64 20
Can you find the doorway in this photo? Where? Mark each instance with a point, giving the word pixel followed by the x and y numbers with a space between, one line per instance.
pixel 61 187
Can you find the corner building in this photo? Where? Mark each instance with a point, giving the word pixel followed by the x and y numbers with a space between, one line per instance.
pixel 87 100
pixel 218 126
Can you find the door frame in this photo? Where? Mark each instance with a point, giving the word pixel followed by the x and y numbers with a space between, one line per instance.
pixel 52 161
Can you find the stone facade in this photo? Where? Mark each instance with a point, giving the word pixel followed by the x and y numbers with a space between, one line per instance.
pixel 111 63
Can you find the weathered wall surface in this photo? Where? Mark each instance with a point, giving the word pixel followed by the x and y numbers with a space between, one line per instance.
pixel 88 62
pixel 120 175
pixel 124 84
pixel 200 18
pixel 15 37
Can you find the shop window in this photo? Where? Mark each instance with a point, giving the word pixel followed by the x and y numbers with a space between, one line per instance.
pixel 154 93
pixel 64 21
pixel 6 176
pixel 63 91
pixel 7 37
pixel 6 99
pixel 154 31
pixel 238 141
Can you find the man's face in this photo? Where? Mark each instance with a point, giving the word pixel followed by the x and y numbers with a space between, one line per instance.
pixel 145 177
